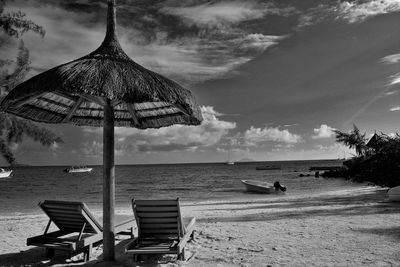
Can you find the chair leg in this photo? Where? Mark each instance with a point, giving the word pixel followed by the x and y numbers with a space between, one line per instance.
pixel 87 254
pixel 181 256
pixel 192 237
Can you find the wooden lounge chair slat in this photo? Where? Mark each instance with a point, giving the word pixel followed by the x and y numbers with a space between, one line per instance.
pixel 156 246
pixel 63 212
pixel 69 219
pixel 158 243
pixel 59 246
pixel 156 250
pixel 70 222
pixel 157 209
pixel 148 221
pixel 73 226
pixel 153 251
pixel 156 203
pixel 55 240
pixel 157 214
pixel 65 224
pixel 173 225
pixel 159 231
pixel 159 236
pixel 61 207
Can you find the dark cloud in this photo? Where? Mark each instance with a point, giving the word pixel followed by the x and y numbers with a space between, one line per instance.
pixel 169 147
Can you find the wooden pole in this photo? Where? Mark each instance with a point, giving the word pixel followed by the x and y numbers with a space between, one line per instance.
pixel 108 183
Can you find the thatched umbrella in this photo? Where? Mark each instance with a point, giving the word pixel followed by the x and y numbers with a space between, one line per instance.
pixel 104 88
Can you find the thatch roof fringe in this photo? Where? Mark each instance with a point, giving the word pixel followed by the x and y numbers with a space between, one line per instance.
pixel 59 108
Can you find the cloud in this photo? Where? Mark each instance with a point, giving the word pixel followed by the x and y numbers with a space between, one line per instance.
pixel 391 59
pixel 218 14
pixel 55 146
pixel 390 93
pixel 348 11
pixel 191 60
pixel 196 58
pixel 336 148
pixel 357 12
pixel 396 108
pixel 395 79
pixel 324 131
pixel 254 136
pixel 92 149
pixel 290 125
pixel 259 41
pixel 173 138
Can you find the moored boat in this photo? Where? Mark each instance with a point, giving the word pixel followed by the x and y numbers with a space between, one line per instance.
pixel 263 187
pixel 4 173
pixel 259 186
pixel 394 194
pixel 77 169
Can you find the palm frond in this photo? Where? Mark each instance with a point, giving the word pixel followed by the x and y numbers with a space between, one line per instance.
pixel 21 127
pixel 15 24
pixel 20 71
pixel 353 139
pixel 6 152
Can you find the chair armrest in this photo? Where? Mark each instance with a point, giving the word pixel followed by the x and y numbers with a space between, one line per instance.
pixel 189 227
pixel 131 244
pixel 128 222
pixel 126 227
pixel 189 230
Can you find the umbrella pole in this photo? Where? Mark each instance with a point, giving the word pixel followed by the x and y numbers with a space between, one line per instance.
pixel 108 183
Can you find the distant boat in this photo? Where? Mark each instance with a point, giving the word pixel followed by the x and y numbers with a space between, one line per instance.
pixel 229 161
pixel 4 173
pixel 268 167
pixel 394 194
pixel 76 169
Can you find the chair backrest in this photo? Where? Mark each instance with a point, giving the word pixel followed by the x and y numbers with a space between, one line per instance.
pixel 70 216
pixel 158 219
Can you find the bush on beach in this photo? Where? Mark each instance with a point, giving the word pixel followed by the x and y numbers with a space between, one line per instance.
pixel 377 161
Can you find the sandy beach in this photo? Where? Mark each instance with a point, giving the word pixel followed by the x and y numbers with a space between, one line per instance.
pixel 357 227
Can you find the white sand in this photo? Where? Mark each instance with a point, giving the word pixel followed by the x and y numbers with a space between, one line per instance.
pixel 346 228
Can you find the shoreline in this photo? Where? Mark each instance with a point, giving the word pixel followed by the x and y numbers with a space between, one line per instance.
pixel 249 197
pixel 341 228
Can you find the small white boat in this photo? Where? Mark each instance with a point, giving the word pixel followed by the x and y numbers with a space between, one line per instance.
pixel 259 186
pixel 4 173
pixel 394 194
pixel 76 169
pixel 229 163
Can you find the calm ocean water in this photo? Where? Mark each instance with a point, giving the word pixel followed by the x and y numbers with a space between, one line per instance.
pixel 191 182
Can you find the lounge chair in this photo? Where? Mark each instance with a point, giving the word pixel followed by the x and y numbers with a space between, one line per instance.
pixel 161 229
pixel 78 230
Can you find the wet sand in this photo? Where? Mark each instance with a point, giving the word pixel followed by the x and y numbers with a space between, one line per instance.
pixel 358 227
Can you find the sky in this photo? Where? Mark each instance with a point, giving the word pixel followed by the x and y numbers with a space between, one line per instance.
pixel 273 78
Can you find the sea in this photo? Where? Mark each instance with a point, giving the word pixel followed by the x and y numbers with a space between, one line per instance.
pixel 196 182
